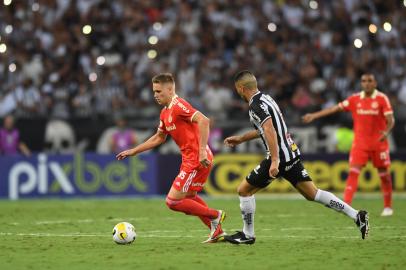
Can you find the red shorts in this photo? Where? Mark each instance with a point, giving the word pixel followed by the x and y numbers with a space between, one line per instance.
pixel 380 158
pixel 191 179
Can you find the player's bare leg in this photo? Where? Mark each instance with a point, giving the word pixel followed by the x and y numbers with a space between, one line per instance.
pixel 312 193
pixel 247 205
pixel 386 187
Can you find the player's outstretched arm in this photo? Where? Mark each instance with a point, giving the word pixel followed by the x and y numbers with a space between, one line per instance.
pixel 236 140
pixel 155 140
pixel 310 117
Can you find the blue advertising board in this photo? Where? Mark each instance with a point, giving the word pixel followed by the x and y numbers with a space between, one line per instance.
pixel 95 175
pixel 43 175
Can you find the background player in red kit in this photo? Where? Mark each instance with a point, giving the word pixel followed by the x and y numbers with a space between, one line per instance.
pixel 189 128
pixel 373 120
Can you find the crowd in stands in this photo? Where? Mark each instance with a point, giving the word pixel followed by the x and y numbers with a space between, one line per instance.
pixel 302 52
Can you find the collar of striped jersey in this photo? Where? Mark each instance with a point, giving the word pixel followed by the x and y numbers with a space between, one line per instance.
pixel 257 93
pixel 374 94
pixel 172 101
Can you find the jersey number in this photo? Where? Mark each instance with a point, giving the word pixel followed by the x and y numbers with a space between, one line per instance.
pixel 182 175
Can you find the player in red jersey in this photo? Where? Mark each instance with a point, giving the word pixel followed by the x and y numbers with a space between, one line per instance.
pixel 189 128
pixel 373 120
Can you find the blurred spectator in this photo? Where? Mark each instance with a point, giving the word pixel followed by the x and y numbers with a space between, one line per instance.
pixel 28 100
pixel 298 50
pixel 123 137
pixel 10 143
pixel 82 102
pixel 217 100
pixel 215 140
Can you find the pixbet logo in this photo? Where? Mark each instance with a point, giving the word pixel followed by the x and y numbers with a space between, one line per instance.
pixel 78 176
pixel 36 177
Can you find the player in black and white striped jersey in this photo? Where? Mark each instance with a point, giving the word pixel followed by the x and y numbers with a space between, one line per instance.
pixel 282 160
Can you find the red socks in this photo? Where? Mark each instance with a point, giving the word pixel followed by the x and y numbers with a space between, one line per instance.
pixel 386 187
pixel 194 206
pixel 351 185
pixel 205 220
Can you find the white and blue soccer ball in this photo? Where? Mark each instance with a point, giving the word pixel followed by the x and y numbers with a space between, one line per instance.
pixel 124 233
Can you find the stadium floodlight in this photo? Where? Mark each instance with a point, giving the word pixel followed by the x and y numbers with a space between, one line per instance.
pixel 35 7
pixel 12 67
pixel 358 43
pixel 7 2
pixel 313 4
pixel 157 26
pixel 100 60
pixel 373 28
pixel 387 27
pixel 92 77
pixel 152 54
pixel 272 27
pixel 87 29
pixel 153 40
pixel 8 29
pixel 3 48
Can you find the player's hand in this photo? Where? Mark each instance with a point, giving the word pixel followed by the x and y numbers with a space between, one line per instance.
pixel 232 141
pixel 384 135
pixel 308 118
pixel 274 169
pixel 125 153
pixel 204 161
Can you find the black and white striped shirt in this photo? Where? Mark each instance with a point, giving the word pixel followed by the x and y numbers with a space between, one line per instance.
pixel 261 108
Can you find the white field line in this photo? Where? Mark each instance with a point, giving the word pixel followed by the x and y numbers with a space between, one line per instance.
pixel 63 221
pixel 47 222
pixel 52 222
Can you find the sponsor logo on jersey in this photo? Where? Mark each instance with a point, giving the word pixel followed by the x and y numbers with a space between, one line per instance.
pixel 374 105
pixel 304 173
pixel 170 128
pixel 198 184
pixel 183 107
pixel 287 168
pixel 367 112
pixel 265 108
pixel 254 117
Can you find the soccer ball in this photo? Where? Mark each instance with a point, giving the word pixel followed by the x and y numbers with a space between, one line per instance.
pixel 124 233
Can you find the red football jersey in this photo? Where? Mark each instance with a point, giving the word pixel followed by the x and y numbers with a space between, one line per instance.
pixel 368 114
pixel 176 120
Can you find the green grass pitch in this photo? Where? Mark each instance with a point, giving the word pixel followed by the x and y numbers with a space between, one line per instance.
pixel 291 234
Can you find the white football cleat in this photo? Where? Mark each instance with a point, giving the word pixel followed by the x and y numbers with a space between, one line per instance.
pixel 387 211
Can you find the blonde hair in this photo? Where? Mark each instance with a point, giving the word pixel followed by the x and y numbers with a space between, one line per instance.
pixel 163 78
pixel 246 79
